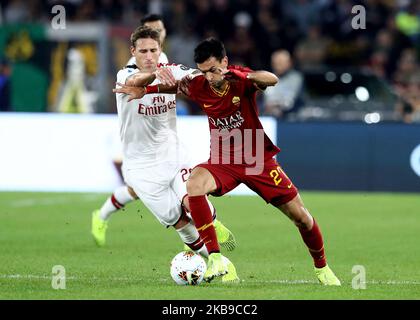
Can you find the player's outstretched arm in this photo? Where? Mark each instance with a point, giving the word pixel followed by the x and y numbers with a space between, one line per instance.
pixel 162 88
pixel 180 87
pixel 138 92
pixel 261 78
pixel 133 92
pixel 141 79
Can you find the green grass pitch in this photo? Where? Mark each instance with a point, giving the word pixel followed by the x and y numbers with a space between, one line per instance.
pixel 41 230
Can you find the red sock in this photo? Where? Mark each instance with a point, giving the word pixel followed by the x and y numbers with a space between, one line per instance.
pixel 315 244
pixel 203 219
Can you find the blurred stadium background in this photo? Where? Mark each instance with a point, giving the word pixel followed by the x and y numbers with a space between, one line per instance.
pixel 346 113
pixel 343 90
pixel 334 58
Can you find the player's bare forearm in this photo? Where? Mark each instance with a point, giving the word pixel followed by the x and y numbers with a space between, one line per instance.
pixel 263 78
pixel 166 88
pixel 180 88
pixel 141 79
pixel 138 92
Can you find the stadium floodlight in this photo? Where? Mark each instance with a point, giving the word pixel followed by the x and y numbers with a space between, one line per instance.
pixel 373 117
pixel 362 94
pixel 346 78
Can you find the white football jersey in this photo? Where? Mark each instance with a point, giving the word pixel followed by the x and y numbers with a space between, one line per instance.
pixel 162 59
pixel 148 125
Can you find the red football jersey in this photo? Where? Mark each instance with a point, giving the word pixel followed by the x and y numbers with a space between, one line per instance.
pixel 236 132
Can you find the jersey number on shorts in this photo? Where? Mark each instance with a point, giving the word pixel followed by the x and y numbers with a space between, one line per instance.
pixel 275 174
pixel 185 174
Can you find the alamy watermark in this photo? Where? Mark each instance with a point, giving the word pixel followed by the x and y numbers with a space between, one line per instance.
pixel 59 20
pixel 58 279
pixel 359 280
pixel 359 20
pixel 247 145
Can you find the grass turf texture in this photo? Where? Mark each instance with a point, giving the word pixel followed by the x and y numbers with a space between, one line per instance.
pixel 40 230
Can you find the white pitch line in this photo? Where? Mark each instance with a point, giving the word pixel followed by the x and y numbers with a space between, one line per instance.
pixel 301 281
pixel 45 277
pixel 30 202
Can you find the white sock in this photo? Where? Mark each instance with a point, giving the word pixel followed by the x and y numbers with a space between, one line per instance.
pixel 203 251
pixel 115 202
pixel 188 233
pixel 190 236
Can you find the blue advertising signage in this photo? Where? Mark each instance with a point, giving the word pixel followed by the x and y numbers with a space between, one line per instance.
pixel 351 156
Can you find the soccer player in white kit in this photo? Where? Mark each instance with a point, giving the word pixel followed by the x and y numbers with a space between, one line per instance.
pixel 124 194
pixel 155 163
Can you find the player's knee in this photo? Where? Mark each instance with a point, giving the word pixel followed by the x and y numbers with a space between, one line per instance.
pixel 300 223
pixel 195 187
pixel 303 220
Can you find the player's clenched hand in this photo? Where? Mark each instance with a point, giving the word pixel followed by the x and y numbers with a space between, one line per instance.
pixel 165 76
pixel 132 92
pixel 184 84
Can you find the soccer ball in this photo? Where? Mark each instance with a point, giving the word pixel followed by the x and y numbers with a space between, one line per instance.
pixel 188 268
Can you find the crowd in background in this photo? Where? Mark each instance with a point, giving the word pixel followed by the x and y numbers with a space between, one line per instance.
pixel 316 33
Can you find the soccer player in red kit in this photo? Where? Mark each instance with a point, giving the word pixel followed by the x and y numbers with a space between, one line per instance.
pixel 241 152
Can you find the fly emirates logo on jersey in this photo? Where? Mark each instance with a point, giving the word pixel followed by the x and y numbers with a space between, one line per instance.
pixel 159 106
pixel 228 123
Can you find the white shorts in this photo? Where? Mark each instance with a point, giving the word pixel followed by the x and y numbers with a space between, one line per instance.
pixel 161 188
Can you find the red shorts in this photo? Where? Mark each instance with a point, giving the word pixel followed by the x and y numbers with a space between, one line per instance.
pixel 273 185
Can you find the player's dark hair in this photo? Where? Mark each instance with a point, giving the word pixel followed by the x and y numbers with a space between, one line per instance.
pixel 208 48
pixel 144 32
pixel 150 18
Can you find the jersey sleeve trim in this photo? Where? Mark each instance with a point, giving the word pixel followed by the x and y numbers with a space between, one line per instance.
pixel 126 73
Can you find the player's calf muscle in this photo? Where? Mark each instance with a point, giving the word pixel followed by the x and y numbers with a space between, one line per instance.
pixel 183 221
pixel 132 193
pixel 297 212
pixel 186 203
